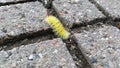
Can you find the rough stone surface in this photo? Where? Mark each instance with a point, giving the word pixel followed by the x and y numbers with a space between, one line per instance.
pixel 22 19
pixel 45 54
pixel 101 45
pixel 111 6
pixel 5 1
pixel 76 11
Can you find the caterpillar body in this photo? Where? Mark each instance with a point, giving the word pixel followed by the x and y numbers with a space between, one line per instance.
pixel 57 26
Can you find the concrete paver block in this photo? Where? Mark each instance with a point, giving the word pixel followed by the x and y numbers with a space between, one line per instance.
pixel 45 54
pixel 76 11
pixel 22 19
pixel 101 45
pixel 111 6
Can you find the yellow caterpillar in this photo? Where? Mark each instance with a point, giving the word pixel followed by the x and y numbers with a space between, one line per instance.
pixel 57 26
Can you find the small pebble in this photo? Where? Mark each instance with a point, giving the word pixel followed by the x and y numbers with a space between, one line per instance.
pixel 40 55
pixel 31 57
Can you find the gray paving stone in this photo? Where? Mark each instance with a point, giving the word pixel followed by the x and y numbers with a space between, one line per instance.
pixel 111 6
pixel 45 54
pixel 22 19
pixel 101 45
pixel 5 1
pixel 76 11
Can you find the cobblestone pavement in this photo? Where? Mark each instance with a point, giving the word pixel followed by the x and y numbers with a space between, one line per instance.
pixel 27 41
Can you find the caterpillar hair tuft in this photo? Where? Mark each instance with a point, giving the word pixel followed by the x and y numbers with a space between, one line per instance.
pixel 57 26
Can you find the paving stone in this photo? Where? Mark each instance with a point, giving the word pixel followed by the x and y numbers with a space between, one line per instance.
pixel 76 11
pixel 5 1
pixel 111 6
pixel 22 19
pixel 101 45
pixel 45 54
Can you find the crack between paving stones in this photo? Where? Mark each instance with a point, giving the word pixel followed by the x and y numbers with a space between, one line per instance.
pixel 27 38
pixel 77 54
pixel 100 8
pixel 113 21
pixel 17 2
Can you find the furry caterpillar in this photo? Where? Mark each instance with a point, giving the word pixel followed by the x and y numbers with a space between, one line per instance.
pixel 57 26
